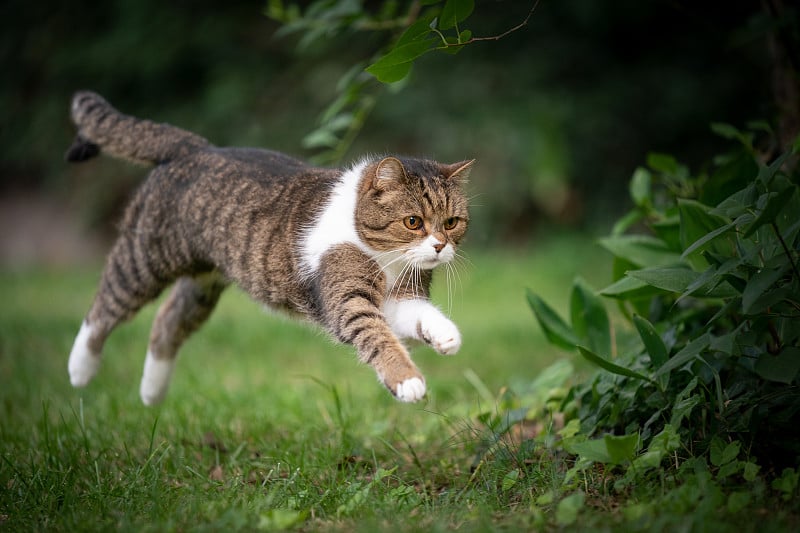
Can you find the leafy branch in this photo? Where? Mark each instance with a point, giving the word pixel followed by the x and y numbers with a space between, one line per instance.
pixel 427 26
pixel 430 33
pixel 499 36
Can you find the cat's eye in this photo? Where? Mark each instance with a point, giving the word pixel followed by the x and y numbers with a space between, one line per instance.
pixel 413 222
pixel 450 223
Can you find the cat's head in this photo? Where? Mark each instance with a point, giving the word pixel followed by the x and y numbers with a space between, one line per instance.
pixel 413 211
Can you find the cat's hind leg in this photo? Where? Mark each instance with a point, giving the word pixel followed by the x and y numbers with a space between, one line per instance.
pixel 128 282
pixel 189 304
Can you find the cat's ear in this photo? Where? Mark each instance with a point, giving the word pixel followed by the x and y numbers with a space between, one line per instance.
pixel 389 170
pixel 458 171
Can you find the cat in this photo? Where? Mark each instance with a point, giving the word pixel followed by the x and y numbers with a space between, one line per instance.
pixel 349 249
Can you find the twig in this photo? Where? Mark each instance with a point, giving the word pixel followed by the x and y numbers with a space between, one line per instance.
pixel 786 249
pixel 500 36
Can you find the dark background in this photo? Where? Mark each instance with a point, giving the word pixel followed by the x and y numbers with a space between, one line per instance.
pixel 558 114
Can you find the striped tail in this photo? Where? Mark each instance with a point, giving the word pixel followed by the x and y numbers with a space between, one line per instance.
pixel 103 128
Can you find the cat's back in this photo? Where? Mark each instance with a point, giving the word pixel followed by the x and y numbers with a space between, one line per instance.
pixel 241 177
pixel 254 165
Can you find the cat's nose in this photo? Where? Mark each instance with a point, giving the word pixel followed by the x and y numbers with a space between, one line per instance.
pixel 439 246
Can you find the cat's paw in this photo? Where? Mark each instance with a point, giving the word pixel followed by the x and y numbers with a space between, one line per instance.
pixel 83 362
pixel 410 390
pixel 441 334
pixel 155 379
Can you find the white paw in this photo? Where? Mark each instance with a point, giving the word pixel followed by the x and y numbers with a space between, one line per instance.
pixel 83 362
pixel 155 379
pixel 411 390
pixel 441 334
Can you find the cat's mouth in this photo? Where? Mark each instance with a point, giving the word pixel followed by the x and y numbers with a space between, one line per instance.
pixel 426 259
pixel 431 263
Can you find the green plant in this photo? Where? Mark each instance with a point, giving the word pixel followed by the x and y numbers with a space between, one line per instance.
pixel 703 366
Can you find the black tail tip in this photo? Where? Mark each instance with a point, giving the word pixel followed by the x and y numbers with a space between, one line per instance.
pixel 81 150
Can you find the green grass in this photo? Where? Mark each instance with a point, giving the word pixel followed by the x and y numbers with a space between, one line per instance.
pixel 268 423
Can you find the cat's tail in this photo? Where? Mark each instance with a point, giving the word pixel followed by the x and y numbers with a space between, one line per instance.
pixel 101 127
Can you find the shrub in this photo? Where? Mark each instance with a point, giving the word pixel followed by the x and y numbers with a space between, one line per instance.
pixel 705 356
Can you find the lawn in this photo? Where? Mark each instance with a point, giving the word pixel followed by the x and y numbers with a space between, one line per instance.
pixel 268 424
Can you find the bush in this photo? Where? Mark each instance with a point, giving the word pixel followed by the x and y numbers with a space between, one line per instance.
pixel 706 358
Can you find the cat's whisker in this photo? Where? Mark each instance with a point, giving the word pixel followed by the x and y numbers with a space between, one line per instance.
pixel 454 267
pixel 448 268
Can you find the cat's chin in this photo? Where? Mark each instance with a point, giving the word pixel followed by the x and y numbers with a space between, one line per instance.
pixel 429 264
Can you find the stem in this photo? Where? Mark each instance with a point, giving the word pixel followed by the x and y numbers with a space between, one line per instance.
pixel 775 346
pixel 496 37
pixel 786 249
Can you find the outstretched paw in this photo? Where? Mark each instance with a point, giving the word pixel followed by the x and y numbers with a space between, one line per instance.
pixel 441 334
pixel 410 390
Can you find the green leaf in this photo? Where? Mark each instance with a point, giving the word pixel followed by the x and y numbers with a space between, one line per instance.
pixel 787 483
pixel 568 509
pixel 641 187
pixel 510 479
pixel 663 163
pixel 668 230
pixel 280 519
pixel 665 442
pixel 622 448
pixel 750 471
pixel 610 449
pixel 782 368
pixel 721 453
pixel 737 203
pixel 589 318
pixel 623 224
pixel 775 202
pixel 706 239
pixel 652 341
pixel 641 250
pixel 668 279
pixel 678 280
pixel 455 11
pixel 705 279
pixel 760 283
pixel 321 138
pixel 689 352
pixel 729 132
pixel 766 173
pixel 605 364
pixel 697 220
pixel 683 408
pixel 396 64
pixel 629 288
pixel 685 402
pixel 416 32
pixel 555 329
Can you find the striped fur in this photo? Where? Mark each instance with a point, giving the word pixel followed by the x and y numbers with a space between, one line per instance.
pixel 329 244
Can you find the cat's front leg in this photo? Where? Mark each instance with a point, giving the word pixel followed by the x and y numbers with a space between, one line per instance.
pixel 417 318
pixel 350 289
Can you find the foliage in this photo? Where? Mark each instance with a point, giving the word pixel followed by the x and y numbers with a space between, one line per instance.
pixel 417 28
pixel 703 373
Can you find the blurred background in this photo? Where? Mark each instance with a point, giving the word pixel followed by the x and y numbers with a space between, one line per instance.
pixel 558 114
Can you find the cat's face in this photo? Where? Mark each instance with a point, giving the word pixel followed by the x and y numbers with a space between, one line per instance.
pixel 413 212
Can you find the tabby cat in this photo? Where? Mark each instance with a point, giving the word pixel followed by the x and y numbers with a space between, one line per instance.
pixel 350 249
